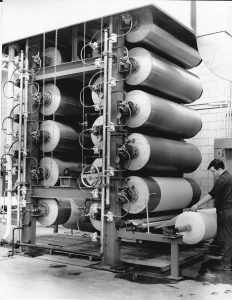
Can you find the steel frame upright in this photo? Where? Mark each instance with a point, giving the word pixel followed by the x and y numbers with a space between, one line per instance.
pixel 115 94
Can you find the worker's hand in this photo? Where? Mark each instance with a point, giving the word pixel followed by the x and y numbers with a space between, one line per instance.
pixel 194 207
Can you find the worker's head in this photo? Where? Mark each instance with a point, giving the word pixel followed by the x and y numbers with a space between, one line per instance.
pixel 217 167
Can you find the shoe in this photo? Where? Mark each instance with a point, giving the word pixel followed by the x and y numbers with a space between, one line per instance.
pixel 223 268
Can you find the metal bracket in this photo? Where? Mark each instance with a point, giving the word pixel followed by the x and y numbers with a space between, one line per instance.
pixel 113 38
pixel 112 82
pixel 99 63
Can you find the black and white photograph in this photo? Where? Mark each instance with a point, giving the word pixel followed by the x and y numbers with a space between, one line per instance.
pixel 116 150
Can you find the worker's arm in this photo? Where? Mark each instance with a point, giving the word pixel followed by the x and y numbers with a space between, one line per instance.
pixel 201 202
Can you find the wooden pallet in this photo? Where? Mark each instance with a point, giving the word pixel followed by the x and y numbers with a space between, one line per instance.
pixel 151 255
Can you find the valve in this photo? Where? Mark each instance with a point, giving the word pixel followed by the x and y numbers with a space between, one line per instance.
pixel 94 237
pixel 110 216
pixel 95 193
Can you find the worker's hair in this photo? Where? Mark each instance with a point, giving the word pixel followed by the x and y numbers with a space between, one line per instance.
pixel 217 164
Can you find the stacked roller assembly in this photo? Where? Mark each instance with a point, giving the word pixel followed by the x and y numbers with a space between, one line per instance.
pixel 59 140
pixel 155 155
pixel 59 145
pixel 160 122
pixel 105 133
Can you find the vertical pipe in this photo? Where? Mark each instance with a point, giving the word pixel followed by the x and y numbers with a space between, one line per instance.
pixel 20 136
pixel 25 112
pixel 25 120
pixel 104 150
pixel 109 90
pixel 9 163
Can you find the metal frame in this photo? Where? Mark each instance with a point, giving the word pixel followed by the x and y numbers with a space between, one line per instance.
pixel 112 139
pixel 174 242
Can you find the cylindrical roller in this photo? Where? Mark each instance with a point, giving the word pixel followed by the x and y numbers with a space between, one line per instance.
pixel 57 211
pixel 56 136
pixel 163 76
pixel 76 213
pixel 53 168
pixel 147 33
pixel 84 224
pixel 96 135
pixel 197 226
pixel 55 102
pixel 52 57
pixel 97 91
pixel 160 194
pixel 154 113
pixel 159 154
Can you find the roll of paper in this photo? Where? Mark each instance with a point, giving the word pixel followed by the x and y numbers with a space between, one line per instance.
pixel 202 225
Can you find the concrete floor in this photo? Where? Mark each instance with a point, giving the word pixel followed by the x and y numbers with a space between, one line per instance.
pixel 61 277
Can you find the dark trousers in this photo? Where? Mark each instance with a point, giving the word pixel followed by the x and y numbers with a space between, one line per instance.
pixel 226 219
pixel 219 238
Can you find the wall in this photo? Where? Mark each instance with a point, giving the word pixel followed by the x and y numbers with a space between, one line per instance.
pixel 213 108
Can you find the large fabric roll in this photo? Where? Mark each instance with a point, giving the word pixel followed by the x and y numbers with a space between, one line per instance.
pixel 197 226
pixel 76 213
pixel 155 154
pixel 53 168
pixel 56 136
pixel 52 56
pixel 57 211
pixel 56 102
pixel 160 194
pixel 160 115
pixel 160 75
pixel 146 32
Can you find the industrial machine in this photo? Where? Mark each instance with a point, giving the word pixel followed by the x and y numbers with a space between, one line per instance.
pixel 96 126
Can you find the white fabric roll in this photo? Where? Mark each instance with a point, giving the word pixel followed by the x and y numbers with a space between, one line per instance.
pixel 54 56
pixel 97 139
pixel 203 225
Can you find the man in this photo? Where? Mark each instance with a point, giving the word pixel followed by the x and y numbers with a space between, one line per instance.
pixel 222 193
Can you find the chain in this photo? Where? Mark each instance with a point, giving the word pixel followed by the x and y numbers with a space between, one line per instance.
pixel 43 93
pixel 83 107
